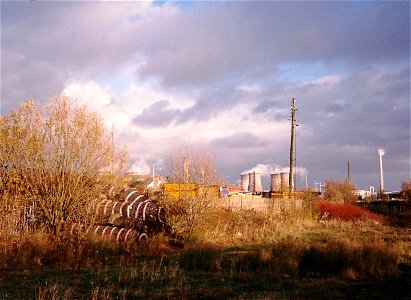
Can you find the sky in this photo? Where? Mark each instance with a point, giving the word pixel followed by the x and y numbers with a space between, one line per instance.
pixel 220 76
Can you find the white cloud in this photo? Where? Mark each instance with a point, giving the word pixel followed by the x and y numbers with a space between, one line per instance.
pixel 89 93
pixel 330 80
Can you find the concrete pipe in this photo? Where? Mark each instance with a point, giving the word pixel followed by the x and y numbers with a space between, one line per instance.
pixel 131 194
pixel 120 235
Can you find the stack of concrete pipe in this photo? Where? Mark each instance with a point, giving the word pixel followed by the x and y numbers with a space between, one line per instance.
pixel 132 216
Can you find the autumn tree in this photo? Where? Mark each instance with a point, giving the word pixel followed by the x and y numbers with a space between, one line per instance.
pixel 340 191
pixel 53 158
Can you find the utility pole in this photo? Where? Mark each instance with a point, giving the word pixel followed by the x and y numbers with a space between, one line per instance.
pixel 348 171
pixel 292 150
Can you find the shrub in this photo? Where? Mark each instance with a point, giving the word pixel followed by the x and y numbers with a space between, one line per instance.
pixel 406 190
pixel 347 212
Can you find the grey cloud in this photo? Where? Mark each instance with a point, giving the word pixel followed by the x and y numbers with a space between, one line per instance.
pixel 372 120
pixel 46 43
pixel 212 101
pixel 157 115
pixel 337 108
pixel 264 106
pixel 240 140
pixel 22 80
pixel 214 40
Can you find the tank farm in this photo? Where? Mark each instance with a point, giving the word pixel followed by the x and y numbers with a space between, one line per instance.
pixel 131 216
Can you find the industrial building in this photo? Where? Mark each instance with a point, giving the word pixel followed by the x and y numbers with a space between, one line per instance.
pixel 251 182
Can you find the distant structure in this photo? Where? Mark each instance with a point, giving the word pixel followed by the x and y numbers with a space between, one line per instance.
pixel 381 152
pixel 275 182
pixel 285 182
pixel 255 182
pixel 280 182
pixel 245 181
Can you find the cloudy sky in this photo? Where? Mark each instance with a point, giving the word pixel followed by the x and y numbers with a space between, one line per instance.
pixel 221 76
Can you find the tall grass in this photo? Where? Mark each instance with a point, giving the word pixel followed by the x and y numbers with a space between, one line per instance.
pixel 231 246
pixel 293 258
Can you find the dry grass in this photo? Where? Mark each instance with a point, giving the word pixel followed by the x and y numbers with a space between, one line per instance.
pixel 226 250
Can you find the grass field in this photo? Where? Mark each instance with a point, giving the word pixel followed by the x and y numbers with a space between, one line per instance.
pixel 231 254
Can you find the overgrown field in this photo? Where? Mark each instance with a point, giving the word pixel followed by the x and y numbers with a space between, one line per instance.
pixel 229 254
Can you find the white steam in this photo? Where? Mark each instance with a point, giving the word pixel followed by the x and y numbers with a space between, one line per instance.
pixel 267 169
pixel 381 152
pixel 140 167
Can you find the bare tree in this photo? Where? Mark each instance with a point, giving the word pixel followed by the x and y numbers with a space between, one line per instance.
pixel 53 156
pixel 192 168
pixel 192 165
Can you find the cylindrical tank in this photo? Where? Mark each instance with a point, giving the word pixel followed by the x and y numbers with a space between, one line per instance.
pixel 285 177
pixel 255 182
pixel 245 180
pixel 275 182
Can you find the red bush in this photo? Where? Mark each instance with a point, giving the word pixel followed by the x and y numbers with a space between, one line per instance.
pixel 347 212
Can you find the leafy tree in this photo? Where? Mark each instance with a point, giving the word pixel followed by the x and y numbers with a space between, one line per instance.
pixel 52 157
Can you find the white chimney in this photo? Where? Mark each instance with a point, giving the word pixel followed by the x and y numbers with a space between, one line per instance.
pixel 381 152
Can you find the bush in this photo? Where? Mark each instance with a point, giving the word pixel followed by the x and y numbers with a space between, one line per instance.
pixel 406 190
pixel 346 212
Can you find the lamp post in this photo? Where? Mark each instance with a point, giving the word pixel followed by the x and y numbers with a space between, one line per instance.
pixel 224 177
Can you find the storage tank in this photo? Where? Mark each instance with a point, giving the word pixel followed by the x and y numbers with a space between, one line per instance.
pixel 245 180
pixel 275 182
pixel 255 182
pixel 285 180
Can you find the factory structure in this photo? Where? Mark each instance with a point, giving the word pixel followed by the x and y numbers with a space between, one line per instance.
pixel 251 182
pixel 283 182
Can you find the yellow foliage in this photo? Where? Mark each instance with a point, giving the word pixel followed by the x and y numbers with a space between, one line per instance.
pixel 52 156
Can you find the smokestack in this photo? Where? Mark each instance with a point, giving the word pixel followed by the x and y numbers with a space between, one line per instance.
pixel 381 152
